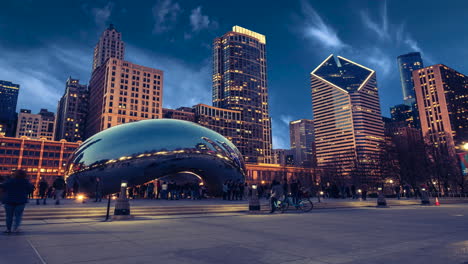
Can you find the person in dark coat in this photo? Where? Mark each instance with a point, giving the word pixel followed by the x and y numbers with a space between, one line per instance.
pixel 98 190
pixel 43 186
pixel 15 198
pixel 59 186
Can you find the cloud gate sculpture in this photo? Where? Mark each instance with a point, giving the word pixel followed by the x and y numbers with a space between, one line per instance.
pixel 150 149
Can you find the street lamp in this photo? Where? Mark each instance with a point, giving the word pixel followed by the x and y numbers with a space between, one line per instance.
pixel 254 203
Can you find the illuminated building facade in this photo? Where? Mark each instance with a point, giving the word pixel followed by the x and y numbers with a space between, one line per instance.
pixel 39 157
pixel 110 45
pixel 181 113
pixel 71 112
pixel 348 125
pixel 284 157
pixel 122 92
pixel 264 174
pixel 403 114
pixel 442 97
pixel 8 101
pixel 240 84
pixel 226 122
pixel 301 134
pixel 41 125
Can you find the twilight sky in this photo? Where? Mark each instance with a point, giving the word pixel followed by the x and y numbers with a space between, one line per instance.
pixel 44 42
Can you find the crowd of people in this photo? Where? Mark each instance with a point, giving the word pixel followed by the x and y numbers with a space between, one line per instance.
pixel 168 190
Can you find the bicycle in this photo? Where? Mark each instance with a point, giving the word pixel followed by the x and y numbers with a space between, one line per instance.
pixel 304 204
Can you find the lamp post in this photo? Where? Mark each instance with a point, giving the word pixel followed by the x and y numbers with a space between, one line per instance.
pixel 122 206
pixel 381 201
pixel 254 203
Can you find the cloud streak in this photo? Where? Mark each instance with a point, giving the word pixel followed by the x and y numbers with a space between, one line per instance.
pixel 102 15
pixel 165 13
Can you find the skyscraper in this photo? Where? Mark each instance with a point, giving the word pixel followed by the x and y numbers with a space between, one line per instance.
pixel 407 63
pixel 36 126
pixel 110 45
pixel 71 112
pixel 403 114
pixel 442 97
pixel 301 135
pixel 8 101
pixel 122 92
pixel 240 84
pixel 347 121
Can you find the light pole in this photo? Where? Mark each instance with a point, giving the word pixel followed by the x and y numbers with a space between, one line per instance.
pixel 122 206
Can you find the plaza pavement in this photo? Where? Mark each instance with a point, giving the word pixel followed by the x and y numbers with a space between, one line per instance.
pixel 403 234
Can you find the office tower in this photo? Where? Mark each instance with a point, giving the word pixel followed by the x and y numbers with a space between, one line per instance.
pixel 348 125
pixel 442 97
pixel 283 157
pixel 71 112
pixel 110 45
pixel 36 126
pixel 181 113
pixel 39 157
pixel 403 114
pixel 8 101
pixel 240 84
pixel 122 92
pixel 407 63
pixel 224 121
pixel 301 135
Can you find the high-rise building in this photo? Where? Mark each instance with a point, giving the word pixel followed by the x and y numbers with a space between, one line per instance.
pixel 403 114
pixel 71 112
pixel 442 97
pixel 407 63
pixel 348 125
pixel 283 157
pixel 181 113
pixel 301 135
pixel 240 84
pixel 8 101
pixel 224 121
pixel 122 92
pixel 110 45
pixel 36 126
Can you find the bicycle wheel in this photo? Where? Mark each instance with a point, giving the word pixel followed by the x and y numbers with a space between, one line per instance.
pixel 306 205
pixel 283 206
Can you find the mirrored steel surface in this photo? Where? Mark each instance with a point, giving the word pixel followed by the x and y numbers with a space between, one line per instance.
pixel 150 149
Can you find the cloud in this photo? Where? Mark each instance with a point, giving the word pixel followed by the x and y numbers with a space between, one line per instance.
pixel 184 85
pixel 380 60
pixel 382 28
pixel 42 72
pixel 280 130
pixel 198 21
pixel 101 15
pixel 317 30
pixel 165 14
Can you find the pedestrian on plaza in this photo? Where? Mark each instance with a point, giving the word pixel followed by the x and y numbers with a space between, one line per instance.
pixel 225 190
pixel 353 191
pixel 245 190
pixel 98 190
pixel 15 198
pixel 277 192
pixel 59 187
pixel 294 191
pixel 1 190
pixel 150 190
pixel 43 186
pixel 364 191
pixel 397 191
pixel 164 188
pixel 157 191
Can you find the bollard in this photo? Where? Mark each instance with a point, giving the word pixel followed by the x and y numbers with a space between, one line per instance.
pixel 122 206
pixel 381 201
pixel 254 203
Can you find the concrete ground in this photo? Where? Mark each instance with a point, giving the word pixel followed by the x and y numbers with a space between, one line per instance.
pixel 409 234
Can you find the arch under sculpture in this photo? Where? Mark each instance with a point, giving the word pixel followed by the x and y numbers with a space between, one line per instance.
pixel 150 149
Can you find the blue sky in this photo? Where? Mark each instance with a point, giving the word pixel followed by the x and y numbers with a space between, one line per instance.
pixel 44 42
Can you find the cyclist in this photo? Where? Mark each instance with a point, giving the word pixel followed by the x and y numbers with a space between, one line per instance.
pixel 276 194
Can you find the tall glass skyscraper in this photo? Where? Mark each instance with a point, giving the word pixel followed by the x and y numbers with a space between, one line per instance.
pixel 407 63
pixel 8 101
pixel 347 119
pixel 239 83
pixel 301 135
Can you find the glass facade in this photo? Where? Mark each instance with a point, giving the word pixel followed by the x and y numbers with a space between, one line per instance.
pixel 240 84
pixel 347 119
pixel 301 135
pixel 8 101
pixel 407 63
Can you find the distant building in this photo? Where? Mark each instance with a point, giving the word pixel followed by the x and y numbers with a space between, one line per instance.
pixel 407 63
pixel 283 157
pixel 226 122
pixel 240 84
pixel 442 97
pixel 36 126
pixel 110 45
pixel 181 113
pixel 122 92
pixel 301 134
pixel 41 158
pixel 71 112
pixel 404 114
pixel 8 101
pixel 347 121
pixel 263 174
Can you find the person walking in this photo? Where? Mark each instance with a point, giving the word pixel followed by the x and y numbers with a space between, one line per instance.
pixel 98 190
pixel 164 188
pixel 277 192
pixel 59 186
pixel 43 186
pixel 15 198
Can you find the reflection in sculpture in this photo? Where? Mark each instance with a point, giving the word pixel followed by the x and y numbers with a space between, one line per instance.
pixel 150 149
